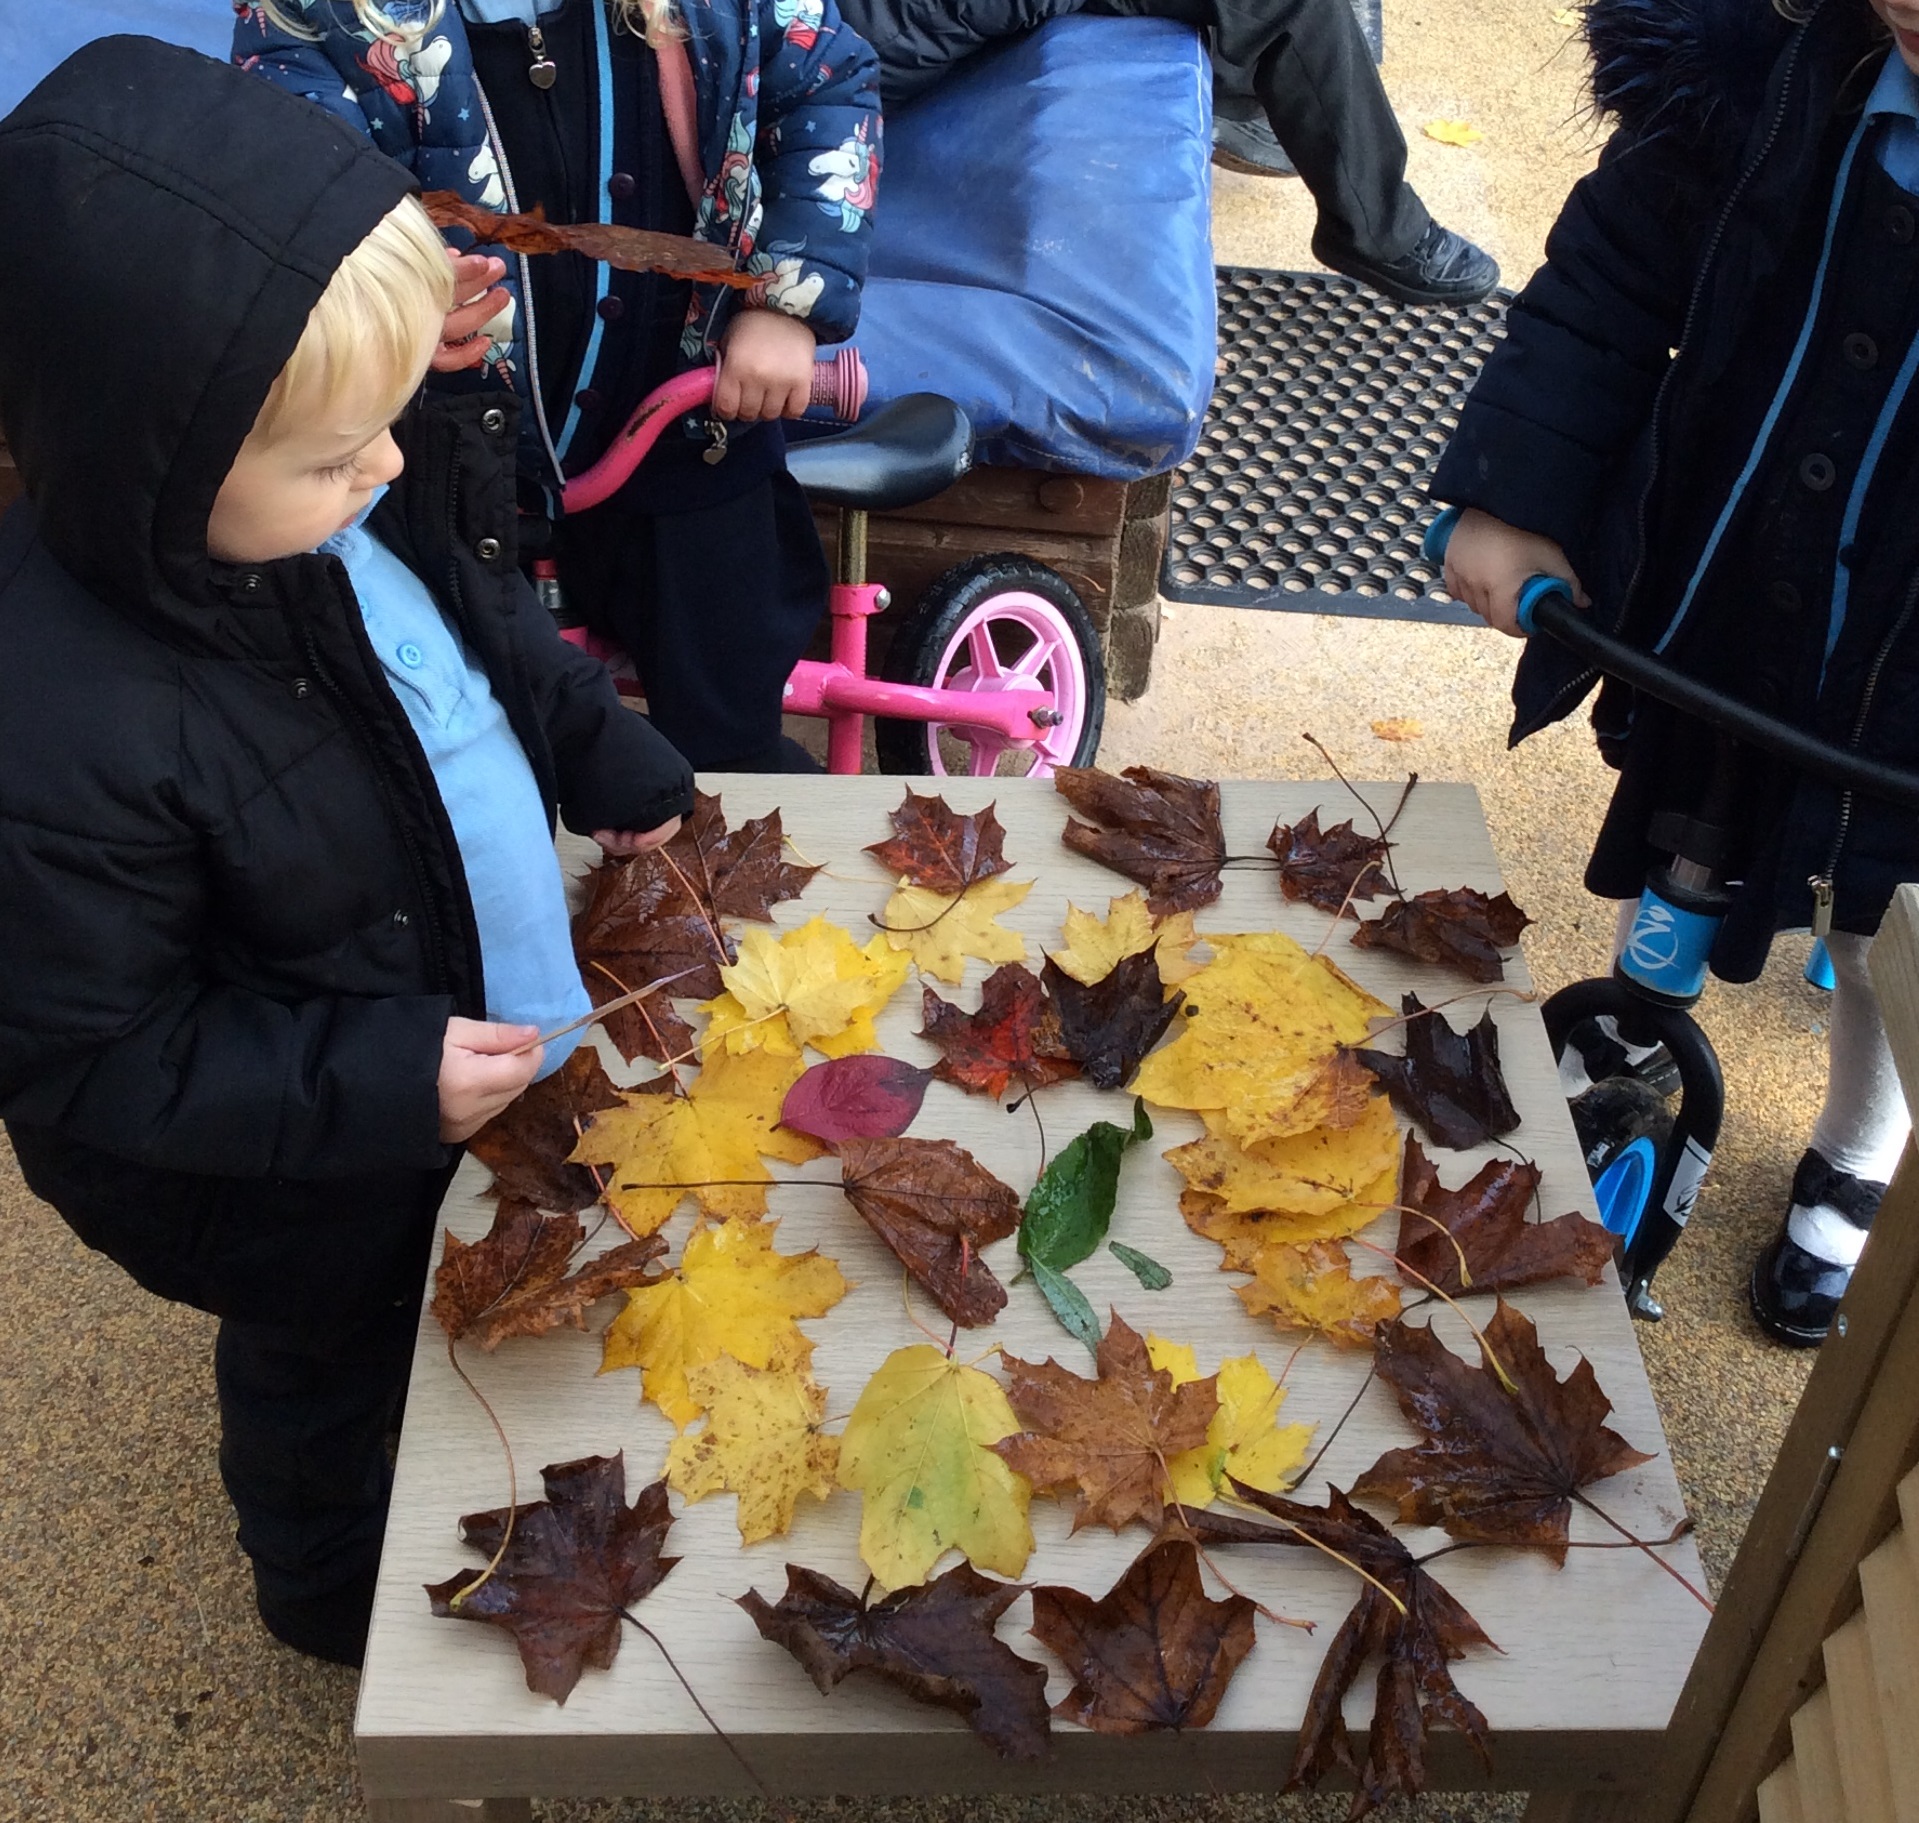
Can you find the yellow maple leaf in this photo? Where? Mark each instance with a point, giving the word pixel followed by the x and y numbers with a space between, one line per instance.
pixel 732 1294
pixel 1260 1042
pixel 762 1441
pixel 1094 947
pixel 1313 1287
pixel 711 1138
pixel 1244 1440
pixel 1243 1235
pixel 940 930
pixel 814 986
pixel 1453 132
pixel 917 1449
pixel 1309 1173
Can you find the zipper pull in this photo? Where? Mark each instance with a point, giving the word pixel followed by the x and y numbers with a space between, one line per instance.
pixel 542 71
pixel 715 450
pixel 1821 904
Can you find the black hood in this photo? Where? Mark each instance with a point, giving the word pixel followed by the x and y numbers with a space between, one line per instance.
pixel 167 223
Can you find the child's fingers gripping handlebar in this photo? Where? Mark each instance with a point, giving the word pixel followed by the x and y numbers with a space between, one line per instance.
pixel 1546 606
pixel 839 387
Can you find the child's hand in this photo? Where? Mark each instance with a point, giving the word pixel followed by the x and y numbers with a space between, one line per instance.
pixel 1488 562
pixel 766 367
pixel 618 844
pixel 477 300
pixel 482 1070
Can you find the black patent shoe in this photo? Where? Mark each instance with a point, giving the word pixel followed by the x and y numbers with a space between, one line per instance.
pixel 1444 268
pixel 1795 1294
pixel 1250 147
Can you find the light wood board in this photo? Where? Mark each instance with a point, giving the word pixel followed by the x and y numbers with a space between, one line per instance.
pixel 1594 1654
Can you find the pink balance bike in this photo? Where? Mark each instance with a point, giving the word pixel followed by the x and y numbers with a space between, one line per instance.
pixel 997 668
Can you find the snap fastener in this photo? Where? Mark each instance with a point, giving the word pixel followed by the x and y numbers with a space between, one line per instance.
pixel 301 689
pixel 250 584
pixel 487 549
pixel 411 656
pixel 621 185
pixel 493 421
pixel 1784 597
pixel 401 920
pixel 1817 472
pixel 587 399
pixel 610 310
pixel 1862 351
pixel 1899 223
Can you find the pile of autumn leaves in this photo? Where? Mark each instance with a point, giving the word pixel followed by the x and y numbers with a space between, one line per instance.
pixel 1300 1153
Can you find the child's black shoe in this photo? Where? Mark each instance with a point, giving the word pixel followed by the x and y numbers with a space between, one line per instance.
pixel 332 1626
pixel 1795 1293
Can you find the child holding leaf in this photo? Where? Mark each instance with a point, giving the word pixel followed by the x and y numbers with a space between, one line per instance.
pixel 284 737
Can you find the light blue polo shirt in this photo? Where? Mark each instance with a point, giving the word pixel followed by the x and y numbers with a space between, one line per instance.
pixel 488 788
pixel 1895 99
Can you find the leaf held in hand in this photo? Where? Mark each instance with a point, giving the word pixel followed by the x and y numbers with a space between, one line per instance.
pixel 1159 829
pixel 1013 1038
pixel 630 249
pixel 762 1441
pixel 1486 1219
pixel 936 1642
pixel 1109 1027
pixel 861 1097
pixel 934 846
pixel 528 1144
pixel 574 1562
pixel 1492 1466
pixel 1154 1652
pixel 918 1450
pixel 1313 1287
pixel 1110 1438
pixel 1094 945
pixel 1460 928
pixel 940 931
pixel 1449 1082
pixel 1328 868
pixel 937 1207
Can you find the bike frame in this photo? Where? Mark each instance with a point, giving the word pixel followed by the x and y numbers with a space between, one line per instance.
pixel 839 690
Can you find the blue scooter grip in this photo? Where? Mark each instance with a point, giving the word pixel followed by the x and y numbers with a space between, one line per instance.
pixel 1537 589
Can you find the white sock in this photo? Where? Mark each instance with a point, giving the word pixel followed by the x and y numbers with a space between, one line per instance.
pixel 1826 1234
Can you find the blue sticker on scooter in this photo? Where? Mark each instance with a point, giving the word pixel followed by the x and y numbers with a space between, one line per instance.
pixel 1667 948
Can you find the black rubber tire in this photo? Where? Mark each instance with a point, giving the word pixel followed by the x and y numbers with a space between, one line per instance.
pixel 916 648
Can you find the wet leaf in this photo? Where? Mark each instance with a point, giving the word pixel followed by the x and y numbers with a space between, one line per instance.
pixel 1071 1207
pixel 1449 1082
pixel 936 1206
pixel 934 846
pixel 1067 1302
pixel 941 931
pixel 1492 1466
pixel 1094 945
pixel 861 1097
pixel 1150 1273
pixel 1245 1441
pixel 527 1147
pixel 762 1441
pixel 1312 1287
pixel 575 1561
pixel 812 986
pixel 1487 1220
pixel 936 1642
pixel 1461 929
pixel 1109 1027
pixel 1108 1438
pixel 1317 1172
pixel 1158 828
pixel 1328 868
pixel 1153 1652
pixel 630 249
pixel 1013 1038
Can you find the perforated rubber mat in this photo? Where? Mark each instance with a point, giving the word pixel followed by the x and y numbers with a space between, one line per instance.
pixel 1308 490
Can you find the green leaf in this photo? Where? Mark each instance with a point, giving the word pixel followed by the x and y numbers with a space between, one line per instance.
pixel 1068 1303
pixel 1071 1207
pixel 1142 1266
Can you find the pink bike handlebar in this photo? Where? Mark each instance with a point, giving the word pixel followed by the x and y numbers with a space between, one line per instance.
pixel 839 385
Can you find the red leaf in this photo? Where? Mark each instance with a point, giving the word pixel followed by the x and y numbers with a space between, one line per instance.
pixel 936 847
pixel 526 1145
pixel 861 1097
pixel 1108 1027
pixel 630 249
pixel 1014 1037
pixel 1161 830
pixel 1461 928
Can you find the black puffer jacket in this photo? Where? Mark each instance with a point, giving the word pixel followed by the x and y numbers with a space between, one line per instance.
pixel 1700 232
pixel 234 920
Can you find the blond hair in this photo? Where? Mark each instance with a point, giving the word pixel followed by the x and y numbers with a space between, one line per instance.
pixel 369 338
pixel 654 20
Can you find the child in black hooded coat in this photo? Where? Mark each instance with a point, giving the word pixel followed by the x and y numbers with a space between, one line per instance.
pixel 1702 416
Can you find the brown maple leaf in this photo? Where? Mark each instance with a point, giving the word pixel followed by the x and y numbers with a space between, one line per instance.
pixel 1448 1081
pixel 630 249
pixel 1416 1642
pixel 1493 1467
pixel 1014 1037
pixel 1461 928
pixel 526 1145
pixel 1108 1027
pixel 575 1562
pixel 1329 868
pixel 513 1281
pixel 936 1206
pixel 1111 1437
pixel 1160 829
pixel 935 1641
pixel 1153 1652
pixel 1487 1220
pixel 935 847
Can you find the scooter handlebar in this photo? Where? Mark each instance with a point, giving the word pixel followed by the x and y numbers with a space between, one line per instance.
pixel 1532 593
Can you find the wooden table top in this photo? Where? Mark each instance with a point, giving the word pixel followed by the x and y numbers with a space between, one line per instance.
pixel 1594 1654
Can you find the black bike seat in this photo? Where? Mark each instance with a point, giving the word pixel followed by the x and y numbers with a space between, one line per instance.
pixel 904 453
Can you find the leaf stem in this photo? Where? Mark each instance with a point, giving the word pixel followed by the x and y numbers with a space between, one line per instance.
pixel 512 1482
pixel 1599 1512
pixel 1299 1531
pixel 699 905
pixel 1318 747
pixel 1332 1436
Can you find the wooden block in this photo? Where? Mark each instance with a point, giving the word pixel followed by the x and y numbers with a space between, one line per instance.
pixel 1142 543
pixel 1150 499
pixel 1816 1748
pixel 1779 1797
pixel 1857 1725
pixel 1026 499
pixel 1889 1578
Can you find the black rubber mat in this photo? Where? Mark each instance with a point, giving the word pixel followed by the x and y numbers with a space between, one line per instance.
pixel 1308 491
